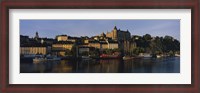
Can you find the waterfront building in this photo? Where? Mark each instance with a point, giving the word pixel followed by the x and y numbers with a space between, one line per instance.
pixel 67 38
pixel 95 44
pixel 111 40
pixel 62 45
pixel 59 48
pixel 73 39
pixel 123 38
pixel 117 34
pixel 104 45
pixel 33 50
pixel 112 44
pixel 86 41
pixel 61 37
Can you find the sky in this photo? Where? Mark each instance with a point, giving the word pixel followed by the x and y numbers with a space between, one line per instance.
pixel 51 28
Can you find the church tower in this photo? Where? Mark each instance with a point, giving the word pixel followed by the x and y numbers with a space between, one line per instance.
pixel 115 33
pixel 36 35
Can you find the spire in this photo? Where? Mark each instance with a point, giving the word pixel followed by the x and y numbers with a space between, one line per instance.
pixel 127 30
pixel 115 28
pixel 103 34
pixel 36 35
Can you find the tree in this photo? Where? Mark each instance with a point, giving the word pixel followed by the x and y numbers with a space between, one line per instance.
pixel 156 45
pixel 94 52
pixel 138 50
pixel 147 37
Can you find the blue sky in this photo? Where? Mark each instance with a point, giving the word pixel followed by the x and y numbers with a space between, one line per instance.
pixel 51 28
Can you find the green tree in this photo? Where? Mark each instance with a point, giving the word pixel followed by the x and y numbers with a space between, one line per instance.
pixel 138 50
pixel 94 52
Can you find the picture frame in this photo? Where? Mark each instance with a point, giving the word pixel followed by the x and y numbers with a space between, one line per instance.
pixel 103 4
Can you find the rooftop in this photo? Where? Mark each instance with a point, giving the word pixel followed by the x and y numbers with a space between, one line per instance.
pixel 33 45
pixel 63 42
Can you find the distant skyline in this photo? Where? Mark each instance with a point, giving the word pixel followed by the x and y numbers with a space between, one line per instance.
pixel 51 28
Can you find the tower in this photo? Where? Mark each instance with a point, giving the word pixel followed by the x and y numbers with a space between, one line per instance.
pixel 115 33
pixel 36 35
pixel 115 28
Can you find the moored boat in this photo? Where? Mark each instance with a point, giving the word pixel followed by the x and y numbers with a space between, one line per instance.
pixel 158 56
pixel 43 59
pixel 106 56
pixel 38 59
pixel 127 58
pixel 177 55
pixel 85 57
pixel 145 55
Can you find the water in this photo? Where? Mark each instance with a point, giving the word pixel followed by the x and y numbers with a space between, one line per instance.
pixel 150 65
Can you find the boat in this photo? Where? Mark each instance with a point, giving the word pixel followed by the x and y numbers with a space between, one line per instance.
pixel 127 58
pixel 145 55
pixel 107 56
pixel 158 56
pixel 29 55
pixel 177 55
pixel 36 59
pixel 43 59
pixel 85 57
pixel 53 59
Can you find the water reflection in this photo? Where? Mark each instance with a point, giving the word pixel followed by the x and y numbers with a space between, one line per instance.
pixel 161 65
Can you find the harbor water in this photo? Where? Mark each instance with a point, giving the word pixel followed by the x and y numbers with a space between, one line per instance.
pixel 143 65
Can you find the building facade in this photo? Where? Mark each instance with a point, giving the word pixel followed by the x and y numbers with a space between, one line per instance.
pixel 62 37
pixel 104 45
pixel 33 50
pixel 94 44
pixel 112 44
pixel 59 48
pixel 62 45
pixel 117 34
pixel 123 38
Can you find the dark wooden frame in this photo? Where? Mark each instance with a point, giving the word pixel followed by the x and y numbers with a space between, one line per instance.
pixel 99 4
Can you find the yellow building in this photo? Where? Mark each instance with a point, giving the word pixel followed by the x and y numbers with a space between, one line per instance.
pixel 112 34
pixel 86 41
pixel 95 44
pixel 62 37
pixel 61 47
pixel 104 45
pixel 112 44
pixel 33 50
pixel 101 44
pixel 118 34
pixel 66 38
pixel 123 38
pixel 72 40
